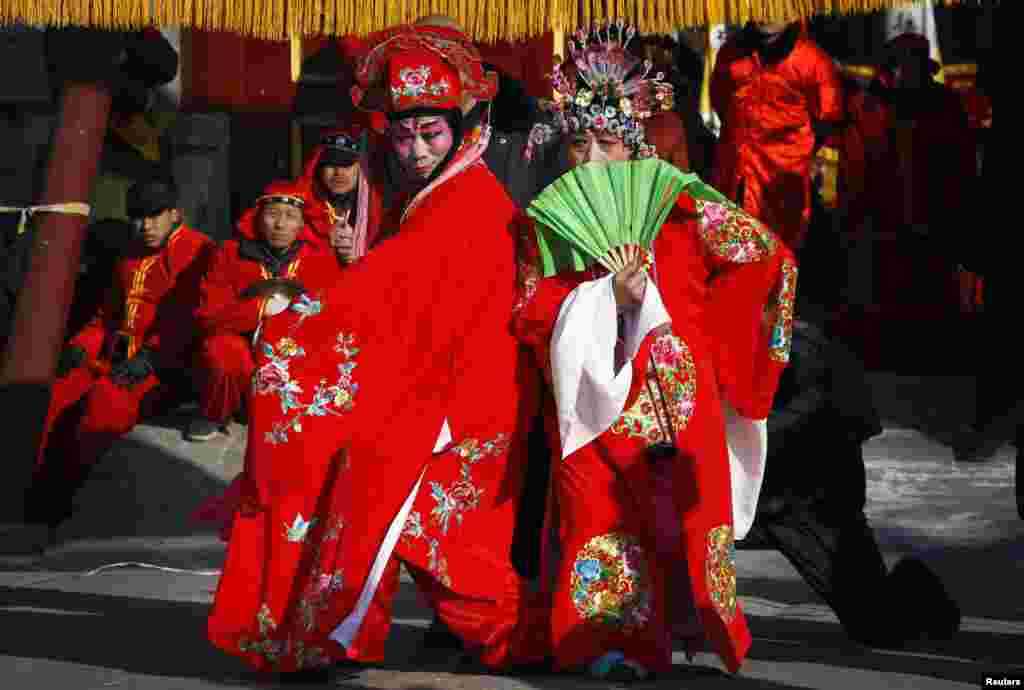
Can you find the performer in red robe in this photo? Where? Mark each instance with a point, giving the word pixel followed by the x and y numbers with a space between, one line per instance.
pixel 909 168
pixel 273 241
pixel 126 363
pixel 647 496
pixel 344 206
pixel 777 94
pixel 388 417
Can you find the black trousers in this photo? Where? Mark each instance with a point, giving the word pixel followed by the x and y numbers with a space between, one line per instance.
pixel 1001 372
pixel 812 510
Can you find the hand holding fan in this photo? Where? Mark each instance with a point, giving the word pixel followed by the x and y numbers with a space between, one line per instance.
pixel 596 208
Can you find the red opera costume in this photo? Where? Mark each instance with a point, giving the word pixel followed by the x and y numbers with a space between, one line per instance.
pixel 148 308
pixel 227 320
pixel 728 285
pixel 767 140
pixel 410 352
pixel 692 369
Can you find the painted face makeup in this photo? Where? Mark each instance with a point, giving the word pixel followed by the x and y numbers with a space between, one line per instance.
pixel 420 143
pixel 588 146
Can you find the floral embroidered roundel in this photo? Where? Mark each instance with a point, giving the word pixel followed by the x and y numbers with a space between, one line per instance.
pixel 672 375
pixel 610 583
pixel 721 571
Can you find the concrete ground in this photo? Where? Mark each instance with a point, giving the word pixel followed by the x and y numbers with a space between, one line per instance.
pixel 120 600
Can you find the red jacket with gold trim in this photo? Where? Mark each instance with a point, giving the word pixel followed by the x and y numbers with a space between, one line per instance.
pixel 241 262
pixel 150 304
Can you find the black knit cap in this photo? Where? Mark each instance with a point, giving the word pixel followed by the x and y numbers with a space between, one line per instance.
pixel 151 197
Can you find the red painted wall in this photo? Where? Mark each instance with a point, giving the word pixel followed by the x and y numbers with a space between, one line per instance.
pixel 229 72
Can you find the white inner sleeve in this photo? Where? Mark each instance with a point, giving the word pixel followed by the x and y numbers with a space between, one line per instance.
pixel 747 440
pixel 349 628
pixel 444 438
pixel 589 394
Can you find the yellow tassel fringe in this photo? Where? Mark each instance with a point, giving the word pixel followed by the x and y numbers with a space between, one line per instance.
pixel 485 20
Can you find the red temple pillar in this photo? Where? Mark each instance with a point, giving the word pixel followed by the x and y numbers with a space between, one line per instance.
pixel 37 334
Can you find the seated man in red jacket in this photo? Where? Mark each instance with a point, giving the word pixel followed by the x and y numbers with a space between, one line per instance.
pixel 274 254
pixel 125 363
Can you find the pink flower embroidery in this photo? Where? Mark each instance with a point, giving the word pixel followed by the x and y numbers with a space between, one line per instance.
pixel 270 378
pixel 414 80
pixel 715 214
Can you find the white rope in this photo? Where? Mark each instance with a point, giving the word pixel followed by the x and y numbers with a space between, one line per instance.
pixel 151 566
pixel 74 208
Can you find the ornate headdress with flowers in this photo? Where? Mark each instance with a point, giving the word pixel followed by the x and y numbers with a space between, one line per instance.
pixel 602 87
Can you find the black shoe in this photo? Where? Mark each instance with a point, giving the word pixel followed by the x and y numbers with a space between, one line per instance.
pixel 928 608
pixel 202 429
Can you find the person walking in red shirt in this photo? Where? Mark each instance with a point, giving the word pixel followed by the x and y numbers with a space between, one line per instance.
pixel 779 96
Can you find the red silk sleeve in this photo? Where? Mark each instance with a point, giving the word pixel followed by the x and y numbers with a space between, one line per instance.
pixel 94 333
pixel 174 329
pixel 221 310
pixel 826 90
pixel 749 312
pixel 374 361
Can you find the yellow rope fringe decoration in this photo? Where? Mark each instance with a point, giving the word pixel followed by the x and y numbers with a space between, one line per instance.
pixel 485 20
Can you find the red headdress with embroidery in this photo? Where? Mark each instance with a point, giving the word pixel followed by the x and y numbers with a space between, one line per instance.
pixel 278 192
pixel 421 67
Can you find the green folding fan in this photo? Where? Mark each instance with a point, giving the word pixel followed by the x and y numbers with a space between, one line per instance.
pixel 596 207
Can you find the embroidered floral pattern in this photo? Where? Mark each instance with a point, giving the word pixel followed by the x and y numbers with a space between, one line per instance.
pixel 415 83
pixel 529 274
pixel 274 378
pixel 316 597
pixel 305 306
pixel 463 495
pixel 452 502
pixel 610 583
pixel 720 567
pixel 438 564
pixel 673 368
pixel 779 313
pixel 296 532
pixel 280 646
pixel 528 271
pixel 733 234
pixel 541 134
pixel 266 646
